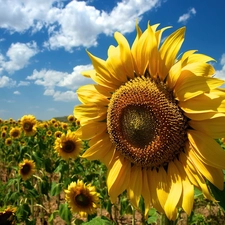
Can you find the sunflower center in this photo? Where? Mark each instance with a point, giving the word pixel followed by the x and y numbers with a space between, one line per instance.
pixel 15 134
pixel 145 123
pixel 26 169
pixel 27 127
pixel 69 146
pixel 82 200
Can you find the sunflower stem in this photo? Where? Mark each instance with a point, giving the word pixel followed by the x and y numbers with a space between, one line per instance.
pixel 165 220
pixel 133 216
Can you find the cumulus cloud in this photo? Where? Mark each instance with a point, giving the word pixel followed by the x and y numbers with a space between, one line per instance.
pixel 53 80
pixel 23 83
pixel 72 24
pixel 221 73
pixel 185 17
pixel 6 82
pixel 18 56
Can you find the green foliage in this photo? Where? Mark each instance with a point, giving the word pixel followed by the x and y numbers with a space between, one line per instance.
pixel 98 221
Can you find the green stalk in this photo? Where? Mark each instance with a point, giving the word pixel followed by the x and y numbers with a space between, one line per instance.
pixel 133 216
pixel 165 220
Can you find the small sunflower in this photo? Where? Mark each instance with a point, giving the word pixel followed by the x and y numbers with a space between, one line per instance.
pixel 53 120
pixel 27 168
pixel 15 132
pixel 7 216
pixel 68 145
pixel 28 124
pixel 64 126
pixel 152 119
pixel 58 134
pixel 4 128
pixel 49 133
pixel 3 134
pixel 82 198
pixel 8 141
pixel 71 118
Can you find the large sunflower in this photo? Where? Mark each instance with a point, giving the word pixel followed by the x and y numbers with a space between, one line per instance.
pixel 27 168
pixel 29 125
pixel 68 145
pixel 152 119
pixel 82 198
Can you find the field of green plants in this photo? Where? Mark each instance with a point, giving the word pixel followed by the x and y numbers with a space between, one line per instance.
pixel 36 175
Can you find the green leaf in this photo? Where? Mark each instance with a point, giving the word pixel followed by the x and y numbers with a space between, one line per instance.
pixel 99 221
pixel 152 216
pixel 218 194
pixel 56 188
pixel 65 213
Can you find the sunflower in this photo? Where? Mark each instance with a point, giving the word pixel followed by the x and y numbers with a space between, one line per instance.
pixel 28 123
pixel 68 145
pixel 152 119
pixel 82 198
pixel 26 168
pixel 8 141
pixel 71 118
pixel 4 128
pixel 49 133
pixel 58 134
pixel 15 132
pixel 7 216
pixel 3 134
pixel 64 126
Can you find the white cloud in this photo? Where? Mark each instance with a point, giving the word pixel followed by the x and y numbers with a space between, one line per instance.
pixel 18 56
pixel 185 17
pixel 53 80
pixel 74 23
pixel 6 82
pixel 16 93
pixel 221 73
pixel 23 83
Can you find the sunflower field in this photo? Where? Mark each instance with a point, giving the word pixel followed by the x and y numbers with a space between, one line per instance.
pixel 145 146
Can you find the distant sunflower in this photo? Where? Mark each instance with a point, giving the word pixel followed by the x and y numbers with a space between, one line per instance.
pixel 49 133
pixel 26 168
pixel 3 134
pixel 15 132
pixel 82 198
pixel 71 118
pixel 53 120
pixel 64 126
pixel 8 141
pixel 68 145
pixel 58 134
pixel 1 120
pixel 152 119
pixel 28 124
pixel 4 128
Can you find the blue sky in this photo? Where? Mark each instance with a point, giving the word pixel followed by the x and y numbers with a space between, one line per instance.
pixel 43 43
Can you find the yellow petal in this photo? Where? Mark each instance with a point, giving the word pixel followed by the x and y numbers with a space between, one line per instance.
pixel 215 128
pixel 102 75
pixel 152 185
pixel 89 94
pixel 135 185
pixel 189 85
pixel 88 73
pixel 175 191
pixel 200 69
pixel 158 34
pixel 146 191
pixel 91 130
pixel 199 58
pixel 118 177
pixel 125 54
pixel 99 149
pixel 214 175
pixel 173 75
pixel 207 149
pixel 90 113
pixel 204 116
pixel 147 52
pixel 187 197
pixel 203 103
pixel 169 51
pixel 115 65
pixel 162 187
